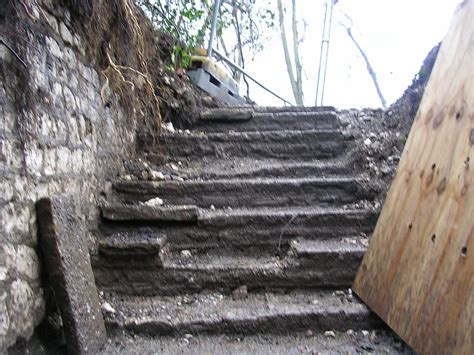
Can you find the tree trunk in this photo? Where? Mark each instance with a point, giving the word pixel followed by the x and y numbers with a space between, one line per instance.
pixel 289 66
pixel 369 68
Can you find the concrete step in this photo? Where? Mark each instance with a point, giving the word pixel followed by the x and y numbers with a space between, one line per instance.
pixel 145 213
pixel 187 272
pixel 246 168
pixel 305 341
pixel 249 192
pixel 248 314
pixel 258 231
pixel 223 120
pixel 141 250
pixel 309 144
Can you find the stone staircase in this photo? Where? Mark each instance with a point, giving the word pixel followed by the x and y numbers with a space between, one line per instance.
pixel 264 222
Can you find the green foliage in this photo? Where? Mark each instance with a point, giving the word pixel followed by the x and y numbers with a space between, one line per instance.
pixel 189 22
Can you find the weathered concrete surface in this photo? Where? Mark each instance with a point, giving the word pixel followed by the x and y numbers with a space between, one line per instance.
pixel 308 144
pixel 215 313
pixel 186 213
pixel 66 255
pixel 308 343
pixel 225 120
pixel 187 272
pixel 249 192
pixel 257 231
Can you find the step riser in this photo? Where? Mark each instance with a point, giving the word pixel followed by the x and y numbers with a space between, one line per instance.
pixel 276 121
pixel 238 194
pixel 298 146
pixel 255 234
pixel 277 324
pixel 167 281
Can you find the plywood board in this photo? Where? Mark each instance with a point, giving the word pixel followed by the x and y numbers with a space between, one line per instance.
pixel 418 273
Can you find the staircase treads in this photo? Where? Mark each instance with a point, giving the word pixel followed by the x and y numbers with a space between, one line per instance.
pixel 143 212
pixel 262 229
pixel 252 313
pixel 271 144
pixel 249 192
pixel 187 272
pixel 248 120
pixel 244 167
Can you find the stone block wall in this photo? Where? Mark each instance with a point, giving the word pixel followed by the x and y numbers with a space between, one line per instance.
pixel 72 139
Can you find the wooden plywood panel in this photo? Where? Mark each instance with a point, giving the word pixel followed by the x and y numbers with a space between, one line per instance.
pixel 418 273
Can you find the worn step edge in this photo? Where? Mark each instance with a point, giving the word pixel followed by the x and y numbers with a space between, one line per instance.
pixel 232 136
pixel 142 244
pixel 142 212
pixel 144 186
pixel 256 313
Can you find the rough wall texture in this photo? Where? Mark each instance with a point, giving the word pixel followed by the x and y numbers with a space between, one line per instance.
pixel 68 139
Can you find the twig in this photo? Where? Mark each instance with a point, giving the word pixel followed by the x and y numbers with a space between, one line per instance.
pixel 14 53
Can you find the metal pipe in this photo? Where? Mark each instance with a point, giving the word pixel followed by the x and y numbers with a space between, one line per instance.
pixel 212 35
pixel 237 67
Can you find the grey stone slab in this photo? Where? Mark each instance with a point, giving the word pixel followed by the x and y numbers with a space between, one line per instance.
pixel 65 252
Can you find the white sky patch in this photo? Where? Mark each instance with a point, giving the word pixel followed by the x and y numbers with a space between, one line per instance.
pixel 395 34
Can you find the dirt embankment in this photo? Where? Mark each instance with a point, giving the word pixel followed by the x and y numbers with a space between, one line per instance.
pixel 135 61
pixel 383 133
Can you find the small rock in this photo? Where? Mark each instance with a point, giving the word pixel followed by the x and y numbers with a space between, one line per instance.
pixel 329 334
pixel 213 207
pixel 107 308
pixel 367 142
pixel 168 317
pixel 309 333
pixel 168 126
pixel 385 170
pixel 187 131
pixel 156 175
pixel 174 167
pixel 127 177
pixel 240 293
pixel 315 302
pixel 350 332
pixel 180 163
pixel 154 202
pixel 365 333
pixel 186 253
pixel 188 336
pixel 179 178
pixel 144 175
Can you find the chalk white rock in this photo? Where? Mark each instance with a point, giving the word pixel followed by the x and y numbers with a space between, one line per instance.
pixel 154 202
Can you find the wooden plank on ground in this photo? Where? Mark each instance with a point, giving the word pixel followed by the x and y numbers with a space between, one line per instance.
pixel 418 273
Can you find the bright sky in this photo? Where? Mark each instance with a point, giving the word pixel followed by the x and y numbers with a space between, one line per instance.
pixel 395 34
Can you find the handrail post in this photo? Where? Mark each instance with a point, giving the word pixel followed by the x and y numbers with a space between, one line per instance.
pixel 217 5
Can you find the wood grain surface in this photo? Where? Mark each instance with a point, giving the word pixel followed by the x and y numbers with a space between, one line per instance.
pixel 418 273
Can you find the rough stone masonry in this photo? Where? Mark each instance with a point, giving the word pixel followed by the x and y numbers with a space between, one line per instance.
pixel 69 140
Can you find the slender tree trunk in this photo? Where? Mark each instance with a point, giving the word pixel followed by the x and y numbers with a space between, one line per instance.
pixel 369 68
pixel 286 51
pixel 298 66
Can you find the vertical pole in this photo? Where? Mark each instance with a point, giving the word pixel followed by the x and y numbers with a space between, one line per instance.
pixel 217 5
pixel 324 53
